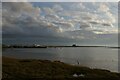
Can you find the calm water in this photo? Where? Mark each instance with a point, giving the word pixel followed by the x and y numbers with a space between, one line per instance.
pixel 104 58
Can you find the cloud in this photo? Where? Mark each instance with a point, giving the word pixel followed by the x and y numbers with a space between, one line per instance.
pixel 15 10
pixel 106 24
pixel 81 34
pixel 104 8
pixel 84 25
pixel 15 0
pixel 65 26
pixel 53 17
pixel 94 22
pixel 96 11
pixel 62 0
pixel 57 8
pixel 78 21
pixel 24 19
pixel 109 14
pixel 48 10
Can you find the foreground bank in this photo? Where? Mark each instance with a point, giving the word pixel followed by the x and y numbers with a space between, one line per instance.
pixel 24 69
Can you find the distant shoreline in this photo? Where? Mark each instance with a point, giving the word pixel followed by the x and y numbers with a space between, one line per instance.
pixel 14 46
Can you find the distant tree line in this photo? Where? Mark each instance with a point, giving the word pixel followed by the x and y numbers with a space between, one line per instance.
pixel 22 46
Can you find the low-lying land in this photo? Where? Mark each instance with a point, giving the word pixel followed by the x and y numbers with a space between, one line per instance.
pixel 29 69
pixel 44 46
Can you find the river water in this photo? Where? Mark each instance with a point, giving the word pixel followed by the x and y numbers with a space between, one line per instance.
pixel 94 57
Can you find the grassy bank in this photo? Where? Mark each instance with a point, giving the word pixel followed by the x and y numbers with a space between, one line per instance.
pixel 24 69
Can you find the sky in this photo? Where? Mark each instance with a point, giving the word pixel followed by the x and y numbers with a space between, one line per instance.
pixel 60 0
pixel 60 23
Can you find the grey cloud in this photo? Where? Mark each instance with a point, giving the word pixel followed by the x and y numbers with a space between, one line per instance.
pixel 52 17
pixel 84 25
pixel 106 24
pixel 87 17
pixel 81 34
pixel 24 19
pixel 94 22
pixel 12 11
pixel 15 9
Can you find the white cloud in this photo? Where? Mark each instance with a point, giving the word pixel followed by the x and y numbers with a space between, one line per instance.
pixel 65 26
pixel 48 10
pixel 104 8
pixel 57 8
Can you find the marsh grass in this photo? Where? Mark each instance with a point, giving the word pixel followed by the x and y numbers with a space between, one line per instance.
pixel 26 69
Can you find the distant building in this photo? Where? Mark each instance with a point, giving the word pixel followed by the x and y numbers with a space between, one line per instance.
pixel 74 45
